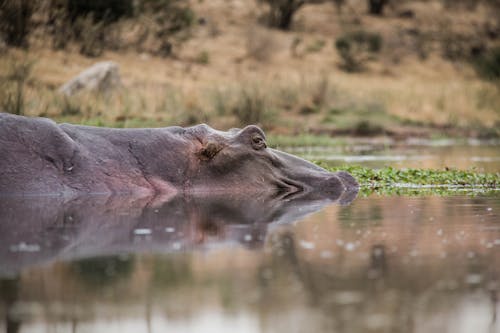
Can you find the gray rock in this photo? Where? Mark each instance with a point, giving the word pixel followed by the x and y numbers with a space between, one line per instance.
pixel 102 77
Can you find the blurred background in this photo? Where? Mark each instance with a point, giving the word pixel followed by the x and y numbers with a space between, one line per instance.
pixel 423 68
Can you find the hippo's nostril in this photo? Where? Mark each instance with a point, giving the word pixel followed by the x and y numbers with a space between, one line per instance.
pixel 349 182
pixel 332 186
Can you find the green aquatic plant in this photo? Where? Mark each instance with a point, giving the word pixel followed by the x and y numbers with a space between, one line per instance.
pixel 408 181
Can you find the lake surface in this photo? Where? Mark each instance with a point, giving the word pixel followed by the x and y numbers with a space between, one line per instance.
pixel 380 264
pixel 217 264
pixel 411 153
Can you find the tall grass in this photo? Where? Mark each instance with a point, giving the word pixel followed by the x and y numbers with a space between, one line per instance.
pixel 320 103
pixel 13 85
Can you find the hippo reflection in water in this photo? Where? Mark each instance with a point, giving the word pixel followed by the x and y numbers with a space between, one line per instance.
pixel 38 230
pixel 39 156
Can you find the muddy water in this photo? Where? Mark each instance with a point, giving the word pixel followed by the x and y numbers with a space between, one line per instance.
pixel 415 153
pixel 380 264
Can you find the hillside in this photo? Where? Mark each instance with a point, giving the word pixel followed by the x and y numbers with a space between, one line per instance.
pixel 227 67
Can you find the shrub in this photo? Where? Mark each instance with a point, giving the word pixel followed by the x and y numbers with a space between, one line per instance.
pixel 260 44
pixel 461 4
pixel 97 25
pixel 164 22
pixel 281 12
pixel 172 15
pixel 339 4
pixel 12 87
pixel 91 36
pixel 15 21
pixel 203 58
pixel 488 64
pixel 100 10
pixel 376 7
pixel 70 108
pixel 316 46
pixel 455 46
pixel 251 107
pixel 88 23
pixel 59 25
pixel 356 48
pixel 367 128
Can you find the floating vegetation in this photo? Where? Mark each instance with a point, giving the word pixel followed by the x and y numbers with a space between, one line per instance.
pixel 391 181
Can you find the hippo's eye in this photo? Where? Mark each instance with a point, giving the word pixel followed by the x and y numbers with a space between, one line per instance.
pixel 258 142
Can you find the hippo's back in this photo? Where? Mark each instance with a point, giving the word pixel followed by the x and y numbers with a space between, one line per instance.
pixel 39 156
pixel 34 152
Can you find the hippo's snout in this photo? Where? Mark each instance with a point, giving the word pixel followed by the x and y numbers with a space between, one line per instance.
pixel 339 186
pixel 301 177
pixel 323 185
pixel 329 185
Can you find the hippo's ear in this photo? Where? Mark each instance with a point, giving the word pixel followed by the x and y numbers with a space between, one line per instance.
pixel 210 149
pixel 254 136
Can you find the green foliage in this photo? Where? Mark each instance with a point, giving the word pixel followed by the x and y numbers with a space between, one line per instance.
pixel 355 48
pixel 389 180
pixel 426 191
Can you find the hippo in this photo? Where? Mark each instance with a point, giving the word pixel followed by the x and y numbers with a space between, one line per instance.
pixel 41 157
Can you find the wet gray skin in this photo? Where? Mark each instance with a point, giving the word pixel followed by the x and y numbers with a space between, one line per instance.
pixel 42 157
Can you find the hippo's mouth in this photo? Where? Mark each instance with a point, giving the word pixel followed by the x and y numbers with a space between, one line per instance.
pixel 288 189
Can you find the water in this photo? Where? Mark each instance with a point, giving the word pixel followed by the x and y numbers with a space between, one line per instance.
pixel 414 153
pixel 380 264
pixel 241 264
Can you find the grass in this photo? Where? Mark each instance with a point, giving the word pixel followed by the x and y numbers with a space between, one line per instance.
pixel 365 119
pixel 302 140
pixel 285 102
pixel 391 181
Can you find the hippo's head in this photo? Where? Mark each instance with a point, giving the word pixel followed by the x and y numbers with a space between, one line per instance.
pixel 240 159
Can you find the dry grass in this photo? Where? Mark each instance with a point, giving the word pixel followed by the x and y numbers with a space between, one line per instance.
pixel 219 70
